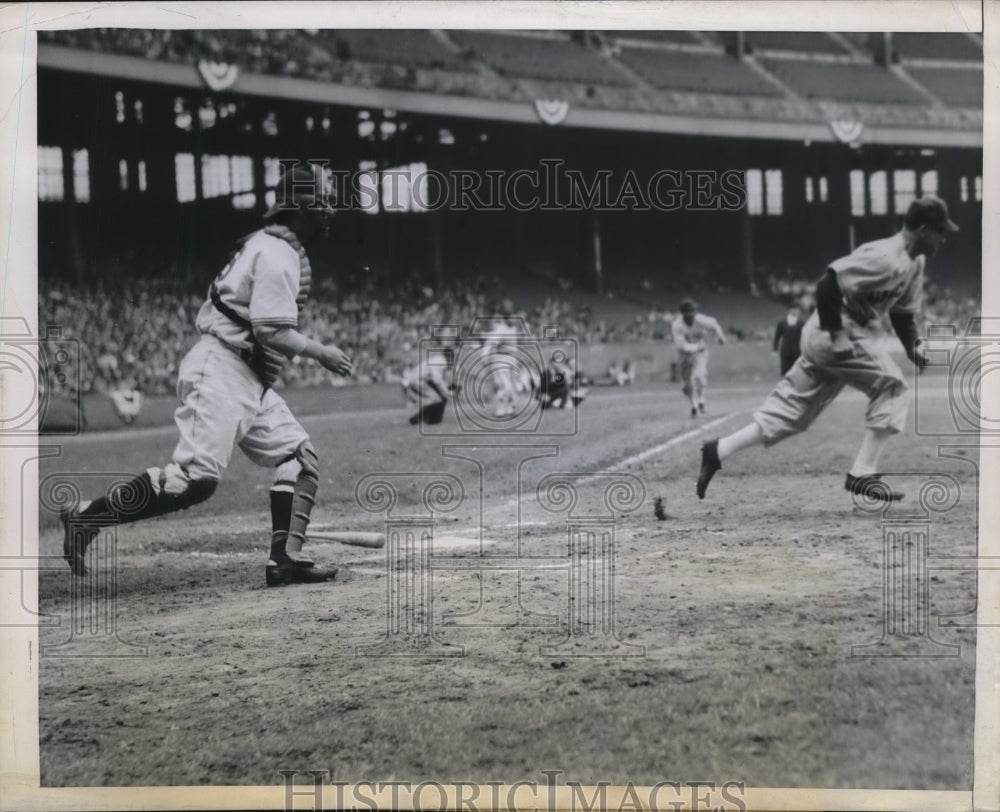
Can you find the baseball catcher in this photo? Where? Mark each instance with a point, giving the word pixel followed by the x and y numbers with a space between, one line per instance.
pixel 248 327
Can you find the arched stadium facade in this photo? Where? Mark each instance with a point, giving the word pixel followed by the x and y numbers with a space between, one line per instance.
pixel 153 165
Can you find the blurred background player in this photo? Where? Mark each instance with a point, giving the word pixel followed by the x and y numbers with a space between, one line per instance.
pixel 506 374
pixel 787 338
pixel 562 386
pixel 127 400
pixel 121 388
pixel 690 331
pixel 248 331
pixel 426 386
pixel 884 277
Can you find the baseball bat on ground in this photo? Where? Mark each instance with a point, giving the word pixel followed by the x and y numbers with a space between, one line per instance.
pixel 354 538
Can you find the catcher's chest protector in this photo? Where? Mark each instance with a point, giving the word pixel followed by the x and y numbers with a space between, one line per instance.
pixel 267 363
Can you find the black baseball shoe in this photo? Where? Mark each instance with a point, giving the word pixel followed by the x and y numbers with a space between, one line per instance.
pixel 694 412
pixel 76 540
pixel 701 408
pixel 284 569
pixel 709 465
pixel 872 487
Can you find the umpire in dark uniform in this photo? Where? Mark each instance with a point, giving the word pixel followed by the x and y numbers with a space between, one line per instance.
pixel 787 336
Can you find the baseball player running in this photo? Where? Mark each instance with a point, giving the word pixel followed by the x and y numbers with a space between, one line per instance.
pixel 691 331
pixel 248 330
pixel 855 294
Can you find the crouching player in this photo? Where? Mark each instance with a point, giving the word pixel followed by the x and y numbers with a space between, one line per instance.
pixel 425 386
pixel 562 386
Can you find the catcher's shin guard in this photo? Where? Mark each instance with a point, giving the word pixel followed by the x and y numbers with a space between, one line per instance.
pixel 304 496
pixel 290 514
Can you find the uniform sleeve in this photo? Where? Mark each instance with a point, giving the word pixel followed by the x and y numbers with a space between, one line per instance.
pixel 275 286
pixel 868 268
pixel 713 324
pixel 911 301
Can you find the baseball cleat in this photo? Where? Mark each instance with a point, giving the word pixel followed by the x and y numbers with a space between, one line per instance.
pixel 701 408
pixel 694 412
pixel 289 570
pixel 76 539
pixel 872 487
pixel 709 465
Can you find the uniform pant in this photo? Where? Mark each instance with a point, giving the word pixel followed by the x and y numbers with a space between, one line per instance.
pixel 694 373
pixel 223 405
pixel 817 377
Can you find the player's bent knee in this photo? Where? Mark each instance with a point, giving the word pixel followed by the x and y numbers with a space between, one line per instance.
pixel 285 476
pixel 308 459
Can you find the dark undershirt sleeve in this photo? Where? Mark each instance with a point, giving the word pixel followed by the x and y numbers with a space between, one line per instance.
pixel 905 326
pixel 829 302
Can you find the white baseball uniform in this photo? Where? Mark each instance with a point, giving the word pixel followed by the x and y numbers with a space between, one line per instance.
pixel 878 278
pixel 692 351
pixel 223 401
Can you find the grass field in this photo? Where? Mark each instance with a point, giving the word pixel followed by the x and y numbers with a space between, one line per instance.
pixel 734 618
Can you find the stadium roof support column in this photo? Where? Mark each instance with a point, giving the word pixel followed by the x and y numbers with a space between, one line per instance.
pixel 598 264
pixel 882 46
pixel 437 257
pixel 746 249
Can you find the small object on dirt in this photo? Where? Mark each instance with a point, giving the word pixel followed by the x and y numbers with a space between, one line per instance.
pixel 559 664
pixel 659 509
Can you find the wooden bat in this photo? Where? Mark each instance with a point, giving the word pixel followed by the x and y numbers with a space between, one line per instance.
pixel 352 537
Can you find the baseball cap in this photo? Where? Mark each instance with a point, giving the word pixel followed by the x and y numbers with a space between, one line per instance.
pixel 303 186
pixel 929 211
pixel 688 306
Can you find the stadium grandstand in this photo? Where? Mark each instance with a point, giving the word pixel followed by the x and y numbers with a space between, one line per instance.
pixel 158 148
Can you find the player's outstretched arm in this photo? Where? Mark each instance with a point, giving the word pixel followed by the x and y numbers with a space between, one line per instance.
pixel 719 332
pixel 290 342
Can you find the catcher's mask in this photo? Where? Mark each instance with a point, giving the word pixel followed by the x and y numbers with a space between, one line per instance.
pixel 306 188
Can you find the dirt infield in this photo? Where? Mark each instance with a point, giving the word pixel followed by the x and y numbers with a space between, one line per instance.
pixel 720 644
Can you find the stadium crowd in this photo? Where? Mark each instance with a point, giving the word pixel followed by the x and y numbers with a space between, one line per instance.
pixel 136 335
pixel 140 333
